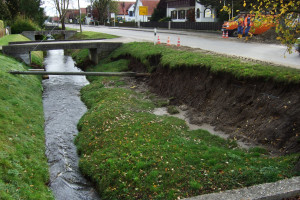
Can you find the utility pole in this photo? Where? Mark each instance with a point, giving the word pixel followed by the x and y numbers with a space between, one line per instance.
pixel 79 17
pixel 232 10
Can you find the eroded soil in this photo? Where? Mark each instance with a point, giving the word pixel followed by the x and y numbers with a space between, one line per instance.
pixel 256 111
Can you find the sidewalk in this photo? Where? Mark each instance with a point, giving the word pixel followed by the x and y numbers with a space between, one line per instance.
pixel 165 30
pixel 279 190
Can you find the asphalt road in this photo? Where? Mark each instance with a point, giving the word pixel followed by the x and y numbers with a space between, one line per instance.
pixel 208 41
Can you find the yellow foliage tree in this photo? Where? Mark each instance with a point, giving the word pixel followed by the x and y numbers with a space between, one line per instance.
pixel 284 13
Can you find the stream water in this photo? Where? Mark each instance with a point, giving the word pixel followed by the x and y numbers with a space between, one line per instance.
pixel 63 109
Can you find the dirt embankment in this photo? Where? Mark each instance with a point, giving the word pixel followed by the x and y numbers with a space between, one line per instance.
pixel 256 111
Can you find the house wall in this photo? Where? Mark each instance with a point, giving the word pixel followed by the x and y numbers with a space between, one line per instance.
pixel 202 18
pixel 139 18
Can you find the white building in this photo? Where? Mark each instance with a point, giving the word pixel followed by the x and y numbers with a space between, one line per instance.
pixel 181 10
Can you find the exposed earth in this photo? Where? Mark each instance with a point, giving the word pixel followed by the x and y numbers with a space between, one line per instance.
pixel 253 111
pixel 249 110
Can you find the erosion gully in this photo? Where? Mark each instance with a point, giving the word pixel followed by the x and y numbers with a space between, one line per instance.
pixel 63 109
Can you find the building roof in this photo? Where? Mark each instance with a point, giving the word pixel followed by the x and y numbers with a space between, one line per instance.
pixel 124 6
pixel 151 5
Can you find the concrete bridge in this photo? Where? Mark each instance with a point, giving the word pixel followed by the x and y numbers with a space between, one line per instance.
pixel 97 48
pixel 32 35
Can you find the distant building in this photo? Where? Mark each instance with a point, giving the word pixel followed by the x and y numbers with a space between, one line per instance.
pixel 189 10
pixel 150 4
pixel 129 11
pixel 126 11
pixel 72 15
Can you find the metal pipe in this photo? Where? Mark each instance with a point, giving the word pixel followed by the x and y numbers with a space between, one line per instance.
pixel 131 74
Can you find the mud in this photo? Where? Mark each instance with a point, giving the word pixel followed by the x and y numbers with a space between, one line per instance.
pixel 252 111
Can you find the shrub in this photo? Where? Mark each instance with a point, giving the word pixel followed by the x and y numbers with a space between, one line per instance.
pixel 1 24
pixel 23 24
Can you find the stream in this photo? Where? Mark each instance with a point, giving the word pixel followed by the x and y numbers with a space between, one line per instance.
pixel 62 110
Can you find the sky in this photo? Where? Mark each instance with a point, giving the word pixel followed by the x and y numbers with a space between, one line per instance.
pixel 51 11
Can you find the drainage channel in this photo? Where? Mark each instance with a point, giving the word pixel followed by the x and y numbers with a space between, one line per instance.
pixel 62 110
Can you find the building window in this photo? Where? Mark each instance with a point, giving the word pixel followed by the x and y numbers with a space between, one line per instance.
pixel 130 13
pixel 181 14
pixel 198 13
pixel 174 14
pixel 207 13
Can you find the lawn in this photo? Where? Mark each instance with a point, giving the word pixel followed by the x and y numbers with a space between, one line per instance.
pixel 131 153
pixel 91 35
pixel 36 56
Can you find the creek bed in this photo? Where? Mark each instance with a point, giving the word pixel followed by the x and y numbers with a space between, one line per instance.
pixel 62 110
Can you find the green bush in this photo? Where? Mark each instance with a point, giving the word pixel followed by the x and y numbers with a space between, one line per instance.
pixel 1 24
pixel 22 24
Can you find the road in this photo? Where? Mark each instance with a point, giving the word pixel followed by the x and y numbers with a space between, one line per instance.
pixel 208 41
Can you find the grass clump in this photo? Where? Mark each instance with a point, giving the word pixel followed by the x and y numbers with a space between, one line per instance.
pixel 132 154
pixel 37 57
pixel 172 110
pixel 216 63
pixel 23 165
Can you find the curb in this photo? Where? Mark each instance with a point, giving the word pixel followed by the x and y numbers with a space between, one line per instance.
pixel 268 191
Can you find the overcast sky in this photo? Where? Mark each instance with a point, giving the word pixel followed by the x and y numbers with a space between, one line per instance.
pixel 51 11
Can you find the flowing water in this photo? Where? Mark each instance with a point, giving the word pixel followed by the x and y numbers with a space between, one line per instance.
pixel 63 109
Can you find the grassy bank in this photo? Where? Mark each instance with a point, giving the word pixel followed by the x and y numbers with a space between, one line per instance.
pixel 81 56
pixel 132 154
pixel 173 58
pixel 36 56
pixel 23 165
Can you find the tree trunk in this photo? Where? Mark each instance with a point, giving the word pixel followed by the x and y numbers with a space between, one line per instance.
pixel 63 27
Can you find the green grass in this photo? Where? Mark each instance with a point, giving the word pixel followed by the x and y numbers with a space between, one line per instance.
pixel 91 35
pixel 216 63
pixel 23 165
pixel 132 154
pixel 36 56
pixel 12 38
pixel 80 56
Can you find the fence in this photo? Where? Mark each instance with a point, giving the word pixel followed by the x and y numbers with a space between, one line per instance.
pixel 198 25
pixel 215 26
pixel 123 24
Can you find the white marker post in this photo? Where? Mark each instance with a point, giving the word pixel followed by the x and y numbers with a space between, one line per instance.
pixel 154 36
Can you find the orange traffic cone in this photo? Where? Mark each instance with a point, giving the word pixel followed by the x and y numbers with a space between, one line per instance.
pixel 168 41
pixel 223 35
pixel 178 42
pixel 158 40
pixel 226 34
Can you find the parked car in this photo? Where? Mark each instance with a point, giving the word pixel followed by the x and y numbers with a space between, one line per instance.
pixel 258 25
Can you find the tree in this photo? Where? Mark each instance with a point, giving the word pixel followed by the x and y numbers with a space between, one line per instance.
pixel 31 9
pixel 160 11
pixel 62 7
pixel 284 13
pixel 4 11
pixel 104 7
